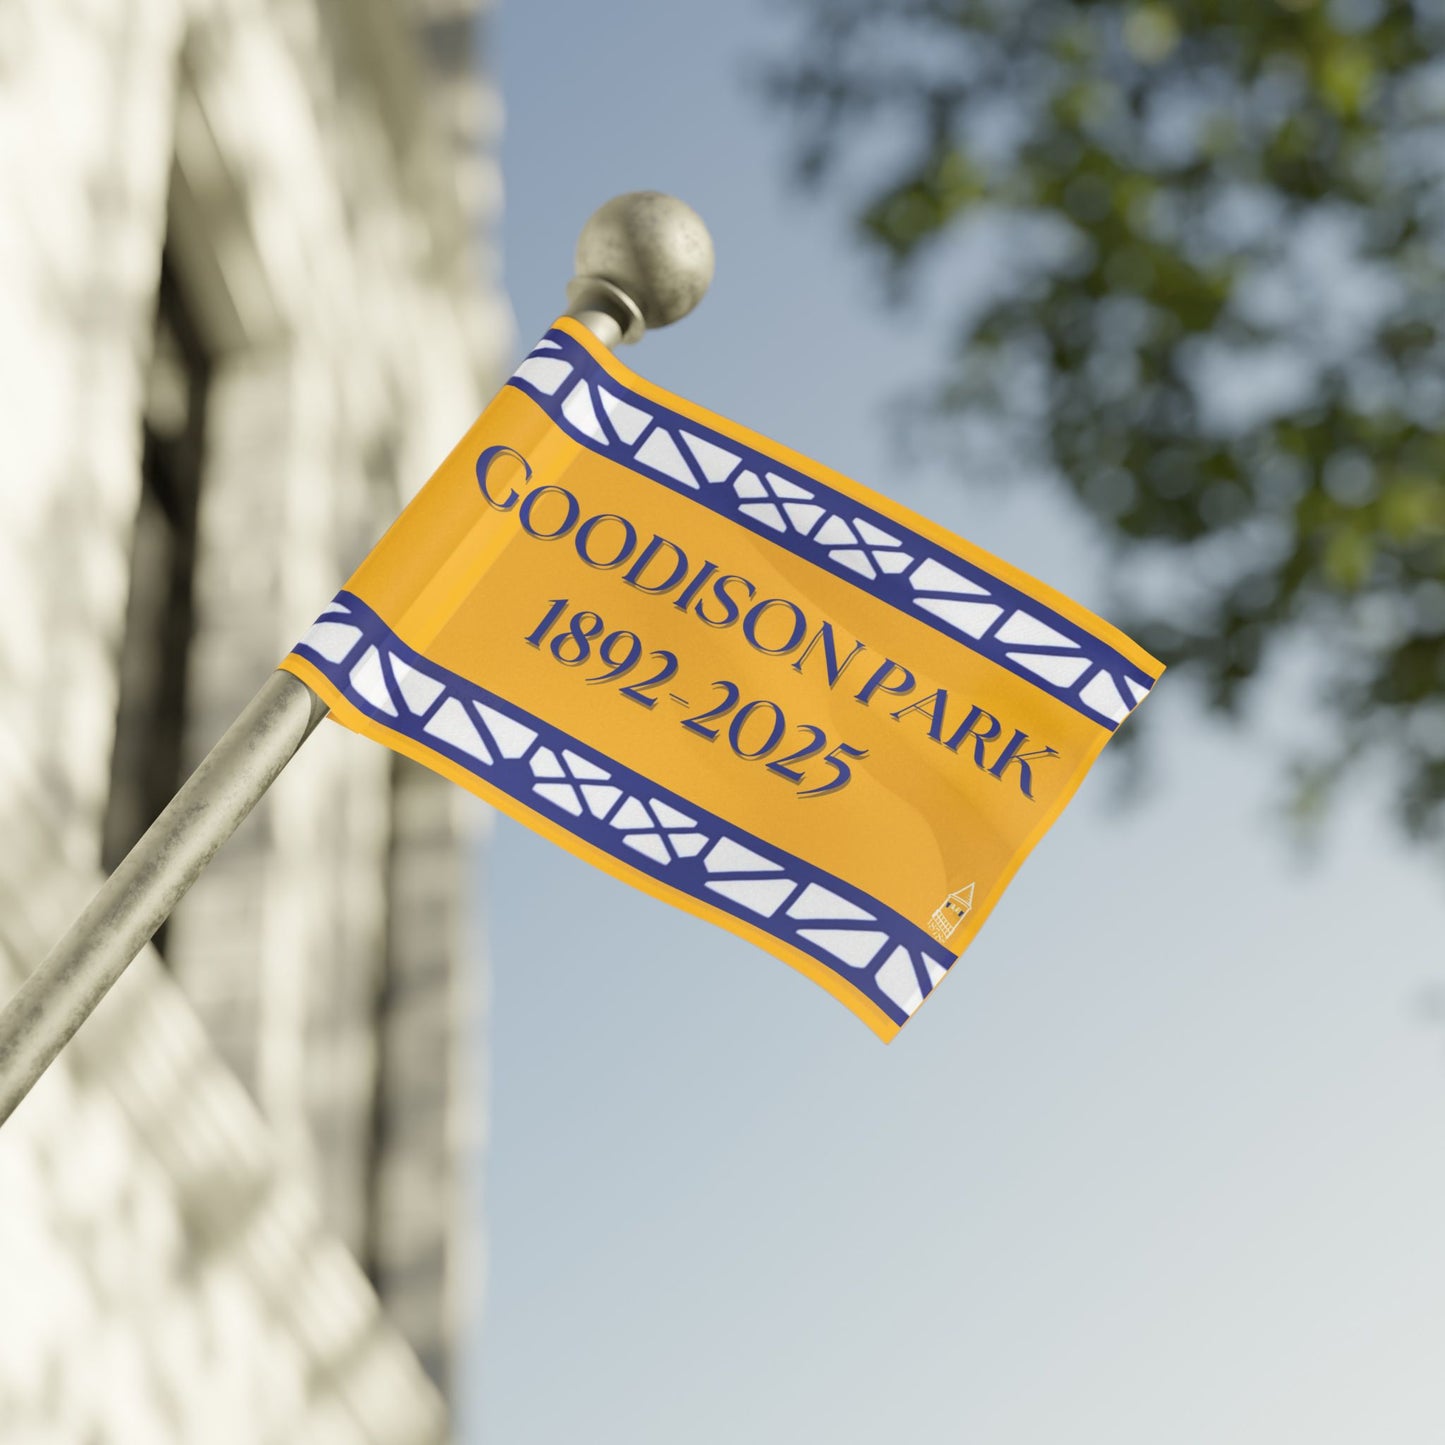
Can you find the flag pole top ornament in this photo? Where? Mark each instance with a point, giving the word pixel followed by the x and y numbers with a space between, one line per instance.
pixel 643 258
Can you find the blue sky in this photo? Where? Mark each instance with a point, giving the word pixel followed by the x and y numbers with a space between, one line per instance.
pixel 1165 1160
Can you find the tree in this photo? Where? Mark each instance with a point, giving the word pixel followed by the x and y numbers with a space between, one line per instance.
pixel 1221 320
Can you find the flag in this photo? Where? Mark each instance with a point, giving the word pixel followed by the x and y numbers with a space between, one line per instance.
pixel 726 674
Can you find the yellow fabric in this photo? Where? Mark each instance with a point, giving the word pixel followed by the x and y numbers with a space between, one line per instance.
pixel 463 582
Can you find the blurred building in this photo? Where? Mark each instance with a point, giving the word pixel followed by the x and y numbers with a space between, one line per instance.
pixel 247 302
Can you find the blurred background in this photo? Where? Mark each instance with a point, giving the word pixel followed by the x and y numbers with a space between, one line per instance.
pixel 1144 297
pixel 249 295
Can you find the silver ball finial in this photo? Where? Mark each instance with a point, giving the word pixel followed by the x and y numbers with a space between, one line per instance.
pixel 647 254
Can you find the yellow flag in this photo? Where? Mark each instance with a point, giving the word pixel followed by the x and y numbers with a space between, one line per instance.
pixel 725 673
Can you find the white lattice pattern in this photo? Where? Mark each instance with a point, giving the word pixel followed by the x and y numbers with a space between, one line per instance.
pixel 771 886
pixel 811 516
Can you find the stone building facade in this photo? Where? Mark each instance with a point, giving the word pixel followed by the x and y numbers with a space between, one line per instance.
pixel 246 304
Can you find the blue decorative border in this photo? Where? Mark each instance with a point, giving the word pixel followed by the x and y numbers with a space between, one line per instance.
pixel 825 526
pixel 891 962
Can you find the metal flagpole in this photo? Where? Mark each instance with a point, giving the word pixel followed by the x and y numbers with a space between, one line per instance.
pixel 643 260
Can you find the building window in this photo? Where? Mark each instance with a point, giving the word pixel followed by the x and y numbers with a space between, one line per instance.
pixel 150 720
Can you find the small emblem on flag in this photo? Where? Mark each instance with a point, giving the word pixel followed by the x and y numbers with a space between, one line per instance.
pixel 950 913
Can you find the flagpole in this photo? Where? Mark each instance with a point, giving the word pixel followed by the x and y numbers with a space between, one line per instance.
pixel 643 260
